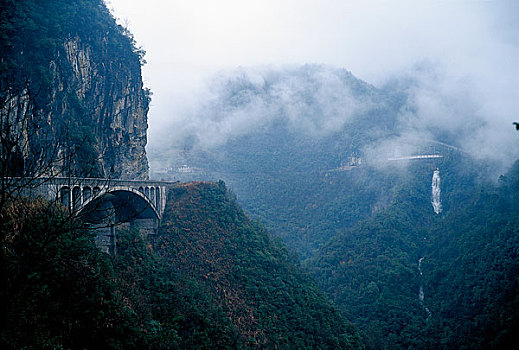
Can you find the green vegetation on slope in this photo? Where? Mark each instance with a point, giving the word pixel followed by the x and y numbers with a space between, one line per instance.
pixel 470 268
pixel 56 290
pixel 59 291
pixel 211 279
pixel 265 295
pixel 472 264
pixel 363 226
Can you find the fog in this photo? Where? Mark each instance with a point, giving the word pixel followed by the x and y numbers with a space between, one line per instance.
pixel 460 58
pixel 312 99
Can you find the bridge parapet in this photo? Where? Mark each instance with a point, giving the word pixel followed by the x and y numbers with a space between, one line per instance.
pixel 417 156
pixel 75 193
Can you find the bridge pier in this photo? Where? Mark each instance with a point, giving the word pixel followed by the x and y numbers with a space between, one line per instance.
pixel 105 228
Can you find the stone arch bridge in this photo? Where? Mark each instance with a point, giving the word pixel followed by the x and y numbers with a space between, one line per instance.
pixel 108 205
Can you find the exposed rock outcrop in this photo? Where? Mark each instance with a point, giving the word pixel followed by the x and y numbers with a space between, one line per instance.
pixel 118 107
pixel 83 111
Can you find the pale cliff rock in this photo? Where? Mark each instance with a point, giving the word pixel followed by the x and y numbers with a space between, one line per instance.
pixel 118 106
pixel 85 111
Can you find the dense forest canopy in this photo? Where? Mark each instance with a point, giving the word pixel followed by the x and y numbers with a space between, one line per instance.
pixel 211 278
pixel 406 275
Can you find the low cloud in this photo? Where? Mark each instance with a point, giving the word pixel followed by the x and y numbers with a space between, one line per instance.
pixel 313 99
pixel 471 112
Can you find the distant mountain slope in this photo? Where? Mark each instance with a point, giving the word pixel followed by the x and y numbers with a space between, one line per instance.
pixel 462 262
pixel 472 265
pixel 349 190
pixel 268 299
pixel 293 144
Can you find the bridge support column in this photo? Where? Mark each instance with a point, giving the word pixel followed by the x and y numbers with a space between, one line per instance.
pixel 105 228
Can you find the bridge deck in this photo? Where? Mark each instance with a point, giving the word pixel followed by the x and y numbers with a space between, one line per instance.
pixel 421 156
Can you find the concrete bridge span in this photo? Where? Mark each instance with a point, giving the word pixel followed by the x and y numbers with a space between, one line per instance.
pixel 108 205
pixel 76 193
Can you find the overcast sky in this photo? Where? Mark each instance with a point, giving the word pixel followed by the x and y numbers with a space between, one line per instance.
pixel 476 42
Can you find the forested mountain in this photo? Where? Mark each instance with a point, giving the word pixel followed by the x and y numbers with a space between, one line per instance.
pixel 354 202
pixel 298 151
pixel 462 263
pixel 389 223
pixel 73 103
pixel 212 278
pixel 463 259
pixel 270 302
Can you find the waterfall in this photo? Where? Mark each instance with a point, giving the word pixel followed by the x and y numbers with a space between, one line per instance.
pixel 421 294
pixel 420 265
pixel 437 206
pixel 435 195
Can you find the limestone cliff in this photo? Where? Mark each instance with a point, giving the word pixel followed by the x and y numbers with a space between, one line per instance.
pixel 71 92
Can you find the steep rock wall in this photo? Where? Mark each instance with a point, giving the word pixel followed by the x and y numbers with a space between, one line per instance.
pixel 76 106
pixel 112 91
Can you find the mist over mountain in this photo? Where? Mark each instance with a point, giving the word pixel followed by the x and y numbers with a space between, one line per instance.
pixel 303 141
pixel 389 195
pixel 316 101
pixel 351 215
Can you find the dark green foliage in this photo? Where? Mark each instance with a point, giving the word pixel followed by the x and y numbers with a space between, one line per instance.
pixel 371 270
pixel 362 228
pixel 212 279
pixel 56 290
pixel 267 298
pixel 474 271
pixel 470 267
pixel 291 182
pixel 173 310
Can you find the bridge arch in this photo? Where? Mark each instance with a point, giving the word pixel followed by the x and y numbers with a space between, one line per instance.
pixel 123 198
pixel 87 194
pixel 137 203
pixel 76 198
pixel 157 197
pixel 115 209
pixel 64 196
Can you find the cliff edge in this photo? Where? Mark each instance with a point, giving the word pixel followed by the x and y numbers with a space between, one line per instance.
pixel 71 91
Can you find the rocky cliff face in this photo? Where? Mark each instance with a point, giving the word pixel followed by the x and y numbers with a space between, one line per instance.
pixel 76 106
pixel 112 91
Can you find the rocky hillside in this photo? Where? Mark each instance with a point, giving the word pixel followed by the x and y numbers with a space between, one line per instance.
pixel 72 99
